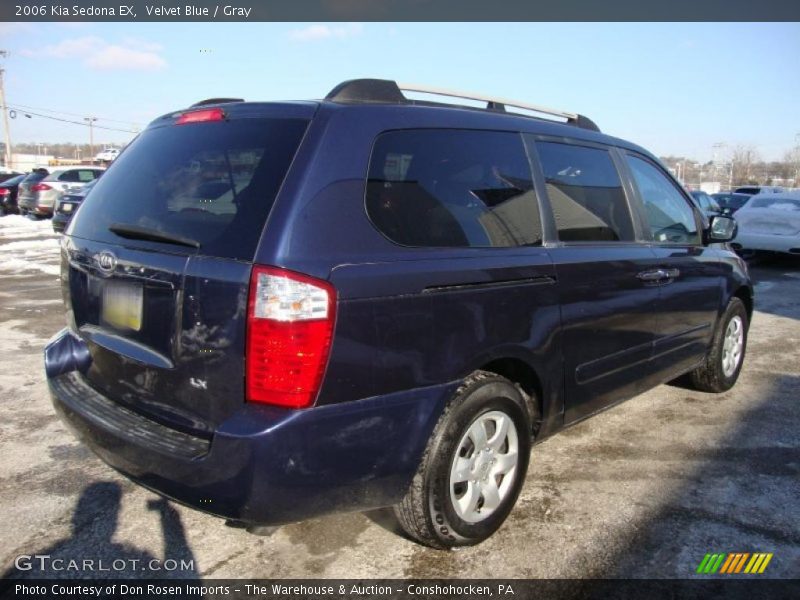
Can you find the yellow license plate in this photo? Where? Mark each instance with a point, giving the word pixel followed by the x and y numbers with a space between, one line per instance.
pixel 122 305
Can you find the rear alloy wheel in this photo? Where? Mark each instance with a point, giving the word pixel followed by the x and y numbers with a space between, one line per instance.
pixel 473 468
pixel 484 466
pixel 724 360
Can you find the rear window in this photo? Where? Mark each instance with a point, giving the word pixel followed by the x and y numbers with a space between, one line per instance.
pixel 453 188
pixel 737 201
pixel 35 176
pixel 213 183
pixel 13 181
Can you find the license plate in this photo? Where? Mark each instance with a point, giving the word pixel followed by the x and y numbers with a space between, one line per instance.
pixel 66 208
pixel 122 305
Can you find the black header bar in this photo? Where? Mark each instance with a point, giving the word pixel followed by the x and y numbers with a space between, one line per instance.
pixel 398 10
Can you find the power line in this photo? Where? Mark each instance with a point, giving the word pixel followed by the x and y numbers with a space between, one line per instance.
pixel 28 112
pixel 63 112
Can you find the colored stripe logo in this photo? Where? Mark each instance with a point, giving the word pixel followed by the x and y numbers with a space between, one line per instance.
pixel 732 563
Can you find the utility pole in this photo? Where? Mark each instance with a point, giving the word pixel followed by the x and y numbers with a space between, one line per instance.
pixel 91 121
pixel 4 108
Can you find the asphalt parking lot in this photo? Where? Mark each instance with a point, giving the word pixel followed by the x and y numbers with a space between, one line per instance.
pixel 642 490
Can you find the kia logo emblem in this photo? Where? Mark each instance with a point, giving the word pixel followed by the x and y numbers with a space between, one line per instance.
pixel 106 261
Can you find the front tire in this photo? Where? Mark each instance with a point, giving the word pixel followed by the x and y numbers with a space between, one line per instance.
pixel 473 468
pixel 725 358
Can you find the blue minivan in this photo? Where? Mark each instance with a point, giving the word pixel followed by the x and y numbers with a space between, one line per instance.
pixel 281 310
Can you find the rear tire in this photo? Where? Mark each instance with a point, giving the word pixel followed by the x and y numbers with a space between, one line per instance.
pixel 725 358
pixel 473 468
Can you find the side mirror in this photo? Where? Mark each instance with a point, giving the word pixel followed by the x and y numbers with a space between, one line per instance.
pixel 721 229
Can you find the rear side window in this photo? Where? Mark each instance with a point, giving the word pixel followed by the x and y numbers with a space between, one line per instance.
pixel 453 188
pixel 670 217
pixel 213 183
pixel 586 194
pixel 68 176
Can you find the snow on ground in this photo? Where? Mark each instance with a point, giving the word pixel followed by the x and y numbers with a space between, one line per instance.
pixel 28 247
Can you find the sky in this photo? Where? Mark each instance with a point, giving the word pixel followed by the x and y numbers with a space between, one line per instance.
pixel 674 88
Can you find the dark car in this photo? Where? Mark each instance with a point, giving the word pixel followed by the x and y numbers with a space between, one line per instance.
pixel 731 202
pixel 68 204
pixel 8 195
pixel 706 203
pixel 9 175
pixel 281 310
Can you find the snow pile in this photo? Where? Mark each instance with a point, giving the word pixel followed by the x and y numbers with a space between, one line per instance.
pixel 28 246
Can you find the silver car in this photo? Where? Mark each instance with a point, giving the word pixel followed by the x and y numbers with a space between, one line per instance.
pixel 770 222
pixel 41 189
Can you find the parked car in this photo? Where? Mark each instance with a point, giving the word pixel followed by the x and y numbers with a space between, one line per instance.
pixel 770 222
pixel 385 305
pixel 68 205
pixel 759 189
pixel 40 190
pixel 8 195
pixel 731 202
pixel 6 175
pixel 706 203
pixel 107 155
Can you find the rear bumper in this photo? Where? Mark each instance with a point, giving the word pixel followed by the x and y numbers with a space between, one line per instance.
pixel 263 465
pixel 35 205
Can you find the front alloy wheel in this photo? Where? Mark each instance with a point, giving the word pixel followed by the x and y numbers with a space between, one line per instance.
pixel 733 346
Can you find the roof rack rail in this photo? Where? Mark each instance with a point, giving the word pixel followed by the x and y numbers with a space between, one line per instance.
pixel 386 91
pixel 208 101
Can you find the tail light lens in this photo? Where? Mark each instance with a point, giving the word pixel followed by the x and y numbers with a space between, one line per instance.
pixel 290 323
pixel 40 187
pixel 4 192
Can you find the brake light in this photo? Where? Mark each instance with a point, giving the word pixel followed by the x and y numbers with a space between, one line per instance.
pixel 200 116
pixel 290 321
pixel 4 192
pixel 40 187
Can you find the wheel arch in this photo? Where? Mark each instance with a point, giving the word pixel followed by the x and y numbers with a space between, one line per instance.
pixel 526 378
pixel 745 294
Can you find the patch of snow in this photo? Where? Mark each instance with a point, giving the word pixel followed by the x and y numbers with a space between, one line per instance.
pixel 39 252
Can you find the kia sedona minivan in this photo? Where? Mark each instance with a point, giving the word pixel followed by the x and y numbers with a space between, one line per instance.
pixel 287 309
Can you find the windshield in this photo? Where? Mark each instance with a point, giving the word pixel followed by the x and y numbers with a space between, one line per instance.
pixel 213 183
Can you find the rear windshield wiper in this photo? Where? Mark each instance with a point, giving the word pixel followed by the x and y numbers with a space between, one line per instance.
pixel 134 232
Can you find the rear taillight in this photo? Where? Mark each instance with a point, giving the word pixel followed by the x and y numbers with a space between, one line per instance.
pixel 4 192
pixel 200 116
pixel 290 322
pixel 40 187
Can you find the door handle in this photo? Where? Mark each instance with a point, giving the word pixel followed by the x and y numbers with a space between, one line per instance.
pixel 652 276
pixel 659 275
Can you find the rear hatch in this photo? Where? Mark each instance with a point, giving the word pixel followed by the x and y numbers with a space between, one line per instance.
pixel 24 193
pixel 156 264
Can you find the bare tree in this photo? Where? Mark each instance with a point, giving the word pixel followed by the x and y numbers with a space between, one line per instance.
pixel 743 162
pixel 792 161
